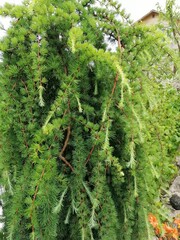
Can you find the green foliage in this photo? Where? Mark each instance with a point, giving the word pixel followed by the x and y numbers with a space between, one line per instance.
pixel 170 18
pixel 87 136
pixel 171 15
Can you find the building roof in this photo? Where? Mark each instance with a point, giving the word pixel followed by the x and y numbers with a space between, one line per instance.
pixel 147 15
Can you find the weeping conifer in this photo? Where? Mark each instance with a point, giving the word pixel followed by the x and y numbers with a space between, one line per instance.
pixel 85 133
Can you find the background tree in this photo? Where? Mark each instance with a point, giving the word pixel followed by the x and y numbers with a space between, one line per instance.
pixel 171 15
pixel 170 24
pixel 86 134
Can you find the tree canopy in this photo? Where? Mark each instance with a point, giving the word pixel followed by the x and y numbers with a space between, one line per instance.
pixel 87 135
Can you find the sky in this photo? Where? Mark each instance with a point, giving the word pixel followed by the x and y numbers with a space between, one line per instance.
pixel 137 8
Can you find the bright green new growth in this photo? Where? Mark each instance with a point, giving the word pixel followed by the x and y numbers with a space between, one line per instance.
pixel 86 134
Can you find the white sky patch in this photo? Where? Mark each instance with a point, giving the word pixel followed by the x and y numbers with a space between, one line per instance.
pixel 5 21
pixel 136 8
pixel 10 1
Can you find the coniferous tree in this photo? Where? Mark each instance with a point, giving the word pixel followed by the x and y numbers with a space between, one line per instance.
pixel 85 133
pixel 171 15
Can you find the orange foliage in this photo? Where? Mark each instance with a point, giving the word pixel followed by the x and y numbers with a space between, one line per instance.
pixel 153 220
pixel 170 232
pixel 177 222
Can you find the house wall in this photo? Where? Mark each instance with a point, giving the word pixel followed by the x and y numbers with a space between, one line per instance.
pixel 151 19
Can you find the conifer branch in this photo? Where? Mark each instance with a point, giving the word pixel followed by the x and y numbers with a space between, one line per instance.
pixel 89 155
pixel 112 93
pixel 66 70
pixel 36 192
pixel 119 42
pixel 115 84
pixel 64 148
pixel 27 91
pixel 57 209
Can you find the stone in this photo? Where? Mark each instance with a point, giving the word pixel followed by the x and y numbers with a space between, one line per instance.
pixel 178 161
pixel 174 213
pixel 175 187
pixel 175 201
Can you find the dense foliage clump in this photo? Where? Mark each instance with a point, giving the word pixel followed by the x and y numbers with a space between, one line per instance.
pixel 87 135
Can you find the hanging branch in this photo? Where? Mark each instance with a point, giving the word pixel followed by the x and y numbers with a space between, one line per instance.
pixel 112 93
pixel 119 42
pixel 90 153
pixel 64 148
pixel 68 134
pixel 114 86
pixel 34 197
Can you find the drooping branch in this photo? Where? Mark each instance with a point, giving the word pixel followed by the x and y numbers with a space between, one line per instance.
pixel 64 148
pixel 119 43
pixel 112 93
pixel 90 153
pixel 115 83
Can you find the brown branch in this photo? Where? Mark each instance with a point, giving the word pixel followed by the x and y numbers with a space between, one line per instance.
pixel 174 32
pixel 37 189
pixel 115 83
pixel 64 148
pixel 66 70
pixel 27 91
pixel 112 93
pixel 89 155
pixel 119 43
pixel 34 198
pixel 13 87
